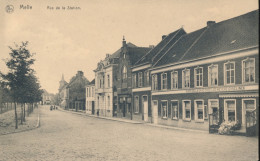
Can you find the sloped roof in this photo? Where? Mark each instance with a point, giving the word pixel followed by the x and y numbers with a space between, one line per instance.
pixel 117 53
pixel 93 81
pixel 136 53
pixel 161 47
pixel 233 34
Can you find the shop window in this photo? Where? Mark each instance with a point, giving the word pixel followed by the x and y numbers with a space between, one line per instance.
pixel 186 78
pixel 164 109
pixel 229 73
pixel 154 82
pixel 230 110
pixel 213 75
pixel 175 108
pixel 198 74
pixel 140 79
pixel 174 80
pixel 186 109
pixel 199 110
pixel 249 70
pixel 136 104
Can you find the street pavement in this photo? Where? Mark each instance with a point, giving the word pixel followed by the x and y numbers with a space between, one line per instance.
pixel 66 136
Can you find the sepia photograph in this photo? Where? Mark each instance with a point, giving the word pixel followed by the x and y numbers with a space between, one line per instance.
pixel 129 80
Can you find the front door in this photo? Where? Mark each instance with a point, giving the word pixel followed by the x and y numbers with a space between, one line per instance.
pixel 155 111
pixel 124 108
pixel 93 107
pixel 145 107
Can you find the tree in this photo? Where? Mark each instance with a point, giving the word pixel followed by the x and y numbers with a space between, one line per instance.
pixel 19 66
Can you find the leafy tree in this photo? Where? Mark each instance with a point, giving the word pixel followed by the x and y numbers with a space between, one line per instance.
pixel 20 71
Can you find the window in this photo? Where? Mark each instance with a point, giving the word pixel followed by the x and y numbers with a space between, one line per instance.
pixel 174 80
pixel 199 110
pixel 213 75
pixel 229 73
pixel 134 80
pixel 198 74
pixel 249 106
pixel 93 91
pixel 249 70
pixel 186 78
pixel 108 101
pixel 124 73
pixel 164 81
pixel 230 110
pixel 103 81
pixel 164 109
pixel 87 92
pixel 154 82
pixel 187 109
pixel 174 106
pixel 147 81
pixel 136 104
pixel 140 79
pixel 108 81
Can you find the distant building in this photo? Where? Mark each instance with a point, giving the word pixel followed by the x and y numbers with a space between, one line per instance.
pixel 47 97
pixel 90 97
pixel 76 89
pixel 63 93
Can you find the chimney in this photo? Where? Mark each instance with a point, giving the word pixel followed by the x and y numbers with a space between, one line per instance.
pixel 124 42
pixel 80 73
pixel 107 55
pixel 151 46
pixel 163 36
pixel 210 23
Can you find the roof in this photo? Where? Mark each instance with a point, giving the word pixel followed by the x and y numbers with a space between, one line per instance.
pixel 136 53
pixel 232 34
pixel 161 47
pixel 117 53
pixel 93 81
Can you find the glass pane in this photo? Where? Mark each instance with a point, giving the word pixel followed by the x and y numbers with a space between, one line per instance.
pixel 200 113
pixel 249 104
pixel 187 113
pixel 231 115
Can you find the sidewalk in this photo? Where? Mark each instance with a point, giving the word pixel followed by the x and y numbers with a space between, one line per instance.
pixel 7 122
pixel 132 121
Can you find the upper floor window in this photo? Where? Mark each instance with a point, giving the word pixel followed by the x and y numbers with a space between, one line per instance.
pixel 147 81
pixel 164 81
pixel 124 72
pixel 134 80
pixel 229 73
pixel 87 92
pixel 213 75
pixel 140 79
pixel 174 80
pixel 249 70
pixel 186 78
pixel 198 74
pixel 108 81
pixel 103 81
pixel 154 82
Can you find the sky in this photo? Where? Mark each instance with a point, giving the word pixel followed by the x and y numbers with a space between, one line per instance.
pixel 68 40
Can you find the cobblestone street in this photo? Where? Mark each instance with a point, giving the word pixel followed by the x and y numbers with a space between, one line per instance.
pixel 66 136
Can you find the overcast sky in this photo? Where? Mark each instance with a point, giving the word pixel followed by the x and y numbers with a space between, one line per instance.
pixel 66 41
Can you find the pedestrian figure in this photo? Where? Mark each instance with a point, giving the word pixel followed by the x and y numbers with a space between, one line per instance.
pixel 98 112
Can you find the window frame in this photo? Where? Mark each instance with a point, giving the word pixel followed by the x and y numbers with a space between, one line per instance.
pixel 225 73
pixel 162 81
pixel 172 78
pixel 196 110
pixel 178 111
pixel 209 75
pixel 108 81
pixel 134 80
pixel 166 112
pixel 195 77
pixel 136 112
pixel 183 80
pixel 140 79
pixel 243 71
pixel 226 109
pixel 154 82
pixel 147 78
pixel 124 73
pixel 184 111
pixel 244 108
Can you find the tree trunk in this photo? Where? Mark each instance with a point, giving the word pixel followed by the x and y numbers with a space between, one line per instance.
pixel 24 112
pixel 21 113
pixel 15 113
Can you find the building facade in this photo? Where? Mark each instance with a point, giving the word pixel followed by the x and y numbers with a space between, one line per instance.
pixel 129 55
pixel 90 97
pixel 210 72
pixel 141 78
pixel 63 93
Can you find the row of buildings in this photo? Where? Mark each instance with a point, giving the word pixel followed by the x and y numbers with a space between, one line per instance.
pixel 191 80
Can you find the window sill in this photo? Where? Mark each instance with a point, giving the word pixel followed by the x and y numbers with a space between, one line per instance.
pixel 164 118
pixel 175 119
pixel 136 113
pixel 199 121
pixel 186 120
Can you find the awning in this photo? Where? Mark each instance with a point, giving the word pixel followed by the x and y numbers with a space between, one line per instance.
pixel 242 95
